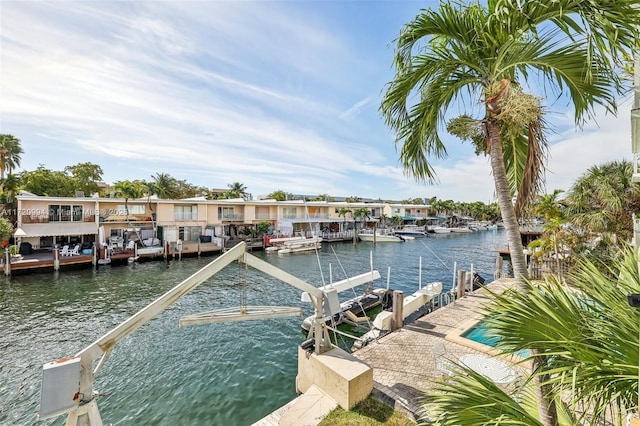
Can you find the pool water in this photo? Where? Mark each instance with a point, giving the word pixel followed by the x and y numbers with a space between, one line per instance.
pixel 480 334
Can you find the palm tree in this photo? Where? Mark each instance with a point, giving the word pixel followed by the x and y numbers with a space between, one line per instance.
pixel 590 330
pixel 601 199
pixel 342 212
pixel 488 53
pixel 363 214
pixel 237 190
pixel 165 186
pixel 10 151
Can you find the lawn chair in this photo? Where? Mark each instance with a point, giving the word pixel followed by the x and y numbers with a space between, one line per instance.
pixel 131 245
pixel 441 361
pixel 75 251
pixel 64 251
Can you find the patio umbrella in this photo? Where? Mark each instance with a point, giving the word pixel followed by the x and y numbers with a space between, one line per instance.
pixel 18 235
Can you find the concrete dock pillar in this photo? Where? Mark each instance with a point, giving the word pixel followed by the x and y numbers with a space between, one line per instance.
pixel 398 303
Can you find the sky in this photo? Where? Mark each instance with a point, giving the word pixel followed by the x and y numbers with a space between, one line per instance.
pixel 276 95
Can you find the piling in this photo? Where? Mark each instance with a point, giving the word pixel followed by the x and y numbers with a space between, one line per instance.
pixel 498 273
pixel 56 260
pixel 462 282
pixel 398 303
pixel 7 263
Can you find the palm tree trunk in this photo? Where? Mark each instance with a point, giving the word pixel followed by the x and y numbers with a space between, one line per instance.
pixel 546 406
pixel 503 192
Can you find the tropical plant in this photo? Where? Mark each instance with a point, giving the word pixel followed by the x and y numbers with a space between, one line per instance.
pixel 46 182
pixel 601 200
pixel 86 176
pixel 10 151
pixel 362 214
pixel 237 190
pixel 343 212
pixel 489 53
pixel 278 195
pixel 165 186
pixel 588 331
pixel 6 230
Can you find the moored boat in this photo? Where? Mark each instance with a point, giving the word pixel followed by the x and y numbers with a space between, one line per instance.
pixel 380 236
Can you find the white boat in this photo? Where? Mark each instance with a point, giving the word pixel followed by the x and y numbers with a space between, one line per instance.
pixel 461 230
pixel 381 236
pixel 411 304
pixel 412 231
pixel 440 230
pixel 298 246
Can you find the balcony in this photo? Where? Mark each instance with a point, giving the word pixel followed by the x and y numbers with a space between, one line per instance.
pixel 232 217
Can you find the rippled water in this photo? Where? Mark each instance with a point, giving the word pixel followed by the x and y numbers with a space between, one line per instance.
pixel 231 374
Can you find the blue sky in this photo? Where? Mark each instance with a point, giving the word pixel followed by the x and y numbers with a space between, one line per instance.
pixel 272 94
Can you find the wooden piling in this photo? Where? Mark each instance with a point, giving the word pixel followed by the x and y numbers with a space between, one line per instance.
pixel 398 304
pixel 56 259
pixel 7 262
pixel 462 282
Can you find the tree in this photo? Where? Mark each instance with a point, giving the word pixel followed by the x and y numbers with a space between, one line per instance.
pixel 601 200
pixel 589 328
pixel 165 185
pixel 10 151
pixel 237 190
pixel 278 195
pixel 87 176
pixel 362 214
pixel 488 53
pixel 46 182
pixel 343 212
pixel 128 189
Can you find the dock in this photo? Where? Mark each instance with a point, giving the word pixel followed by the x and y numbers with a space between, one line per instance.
pixel 403 362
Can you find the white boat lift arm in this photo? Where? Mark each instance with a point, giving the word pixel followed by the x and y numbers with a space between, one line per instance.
pixel 81 406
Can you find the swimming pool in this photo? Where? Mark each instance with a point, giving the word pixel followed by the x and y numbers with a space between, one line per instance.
pixel 479 333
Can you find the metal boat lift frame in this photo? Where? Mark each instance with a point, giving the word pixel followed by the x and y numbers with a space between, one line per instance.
pixel 84 409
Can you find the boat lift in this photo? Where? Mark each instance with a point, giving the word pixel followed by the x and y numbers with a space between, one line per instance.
pixel 67 384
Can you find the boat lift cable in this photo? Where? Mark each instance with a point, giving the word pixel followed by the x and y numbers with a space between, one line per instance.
pixel 441 261
pixel 306 211
pixel 352 289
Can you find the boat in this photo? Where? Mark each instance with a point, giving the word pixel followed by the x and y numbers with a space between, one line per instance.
pixel 411 231
pixel 273 244
pixel 440 230
pixel 461 230
pixel 302 245
pixel 352 309
pixel 380 236
pixel 382 323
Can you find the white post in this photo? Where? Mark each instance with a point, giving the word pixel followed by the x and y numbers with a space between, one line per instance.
pixel 420 273
pixel 388 276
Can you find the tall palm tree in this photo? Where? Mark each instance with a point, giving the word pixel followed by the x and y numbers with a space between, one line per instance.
pixel 343 212
pixel 487 54
pixel 237 190
pixel 165 185
pixel 10 151
pixel 362 214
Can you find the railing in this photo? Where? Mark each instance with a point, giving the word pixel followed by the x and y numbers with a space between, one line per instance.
pixel 263 216
pixel 185 217
pixel 541 268
pixel 232 216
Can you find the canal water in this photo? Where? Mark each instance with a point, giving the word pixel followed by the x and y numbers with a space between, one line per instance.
pixel 219 374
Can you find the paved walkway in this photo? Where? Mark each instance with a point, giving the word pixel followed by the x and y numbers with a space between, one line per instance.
pixel 403 361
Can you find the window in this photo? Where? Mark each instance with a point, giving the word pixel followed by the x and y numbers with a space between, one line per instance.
pixel 289 212
pixel 133 209
pixel 227 213
pixel 184 213
pixel 65 213
pixel 189 233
